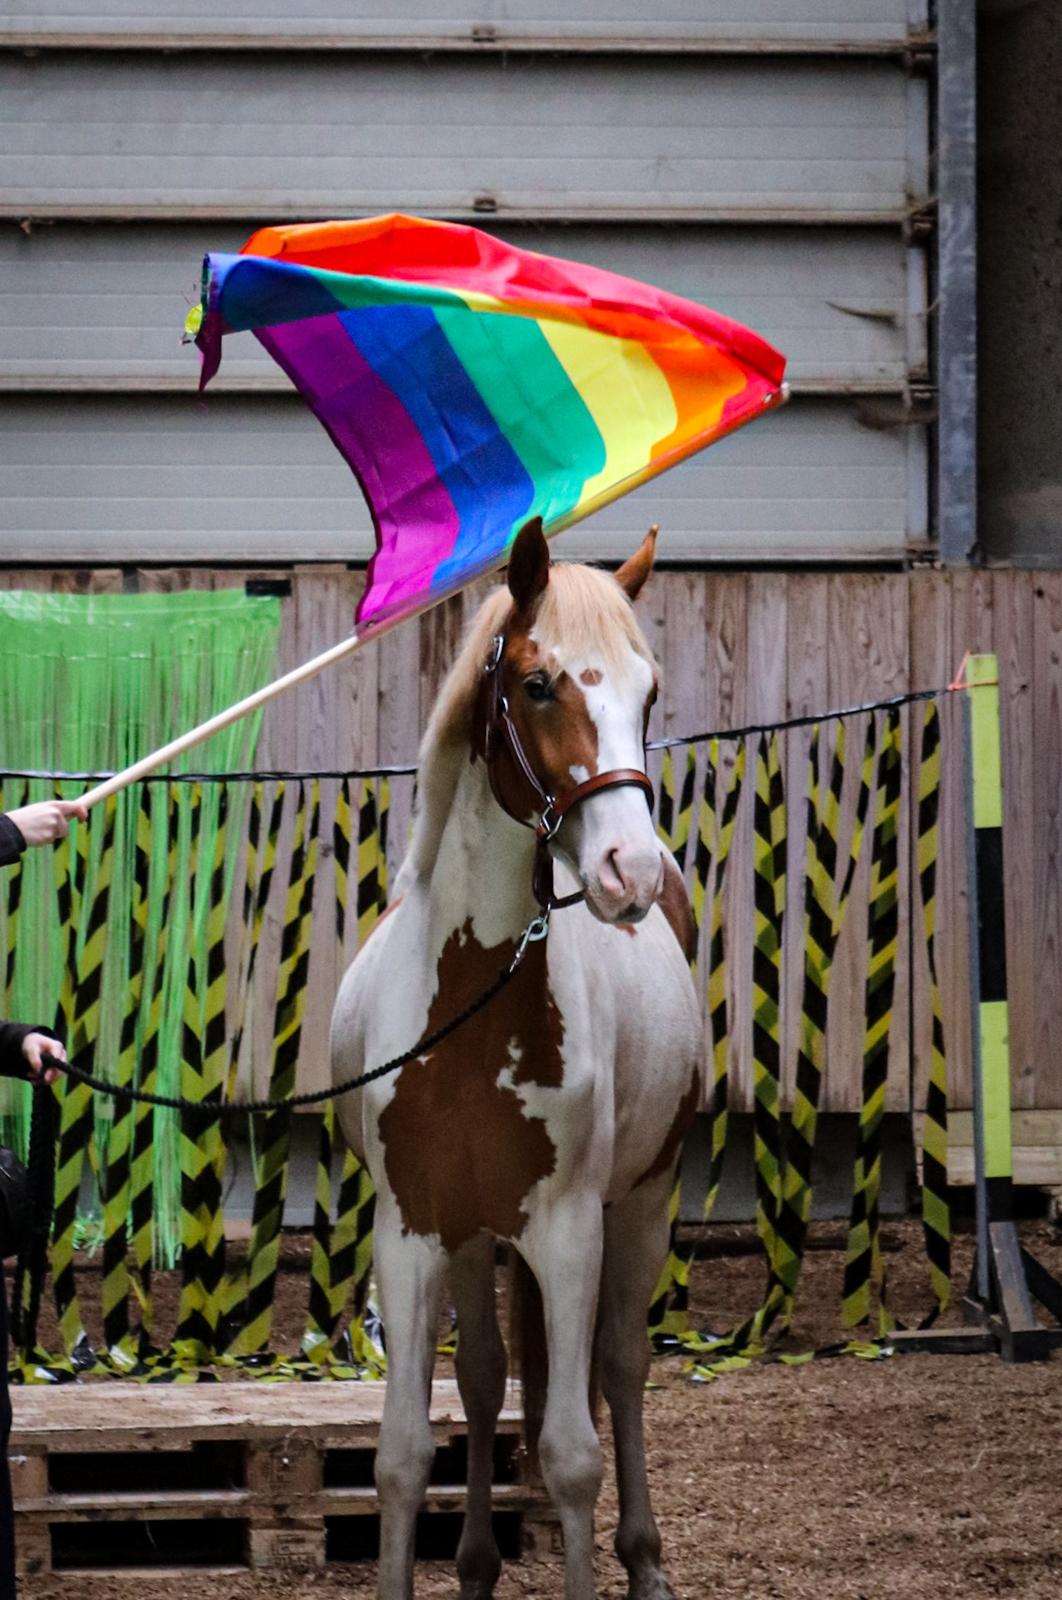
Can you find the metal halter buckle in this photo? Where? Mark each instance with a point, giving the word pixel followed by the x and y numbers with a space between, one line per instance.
pixel 497 650
pixel 549 827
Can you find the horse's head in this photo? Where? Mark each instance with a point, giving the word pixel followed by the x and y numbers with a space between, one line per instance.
pixel 566 702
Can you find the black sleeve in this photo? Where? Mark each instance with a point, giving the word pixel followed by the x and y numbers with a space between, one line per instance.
pixel 12 1061
pixel 12 843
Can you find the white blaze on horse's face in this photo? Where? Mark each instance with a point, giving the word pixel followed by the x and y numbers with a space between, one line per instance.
pixel 608 840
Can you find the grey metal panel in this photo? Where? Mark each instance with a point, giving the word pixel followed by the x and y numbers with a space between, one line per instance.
pixel 461 22
pixel 269 138
pixel 957 485
pixel 164 479
pixel 83 306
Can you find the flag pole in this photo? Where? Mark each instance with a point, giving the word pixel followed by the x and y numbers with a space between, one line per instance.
pixel 372 631
pixel 223 719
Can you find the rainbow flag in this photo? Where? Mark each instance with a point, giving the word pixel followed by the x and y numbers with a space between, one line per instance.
pixel 471 385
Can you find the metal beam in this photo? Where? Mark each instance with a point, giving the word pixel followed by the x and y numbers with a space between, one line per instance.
pixel 917 48
pixel 956 144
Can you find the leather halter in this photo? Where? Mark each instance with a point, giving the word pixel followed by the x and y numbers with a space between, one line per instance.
pixel 552 809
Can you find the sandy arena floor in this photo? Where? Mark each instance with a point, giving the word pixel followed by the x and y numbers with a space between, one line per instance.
pixel 929 1476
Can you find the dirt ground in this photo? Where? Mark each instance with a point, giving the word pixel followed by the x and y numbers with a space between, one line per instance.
pixel 936 1476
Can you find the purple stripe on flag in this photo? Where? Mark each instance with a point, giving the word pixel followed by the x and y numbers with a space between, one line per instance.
pixel 374 433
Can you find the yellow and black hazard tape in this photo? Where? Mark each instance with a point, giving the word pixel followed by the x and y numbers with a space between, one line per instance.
pixel 188 1343
pixel 718 1016
pixel 142 1165
pixel 258 884
pixel 669 1311
pixel 341 1254
pixel 340 1274
pixel 75 1127
pixel 936 1208
pixel 254 1317
pixel 769 849
pixel 825 905
pixel 372 857
pixel 115 1183
pixel 665 798
pixel 864 1267
pixel 204 1062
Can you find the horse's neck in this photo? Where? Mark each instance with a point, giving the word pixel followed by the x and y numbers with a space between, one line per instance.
pixel 472 861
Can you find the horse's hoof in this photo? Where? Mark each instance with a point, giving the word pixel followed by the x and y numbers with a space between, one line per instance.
pixel 478 1591
pixel 654 1587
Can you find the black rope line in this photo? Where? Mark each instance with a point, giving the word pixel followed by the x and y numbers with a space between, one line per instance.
pixel 293 775
pixel 911 697
pixel 212 1109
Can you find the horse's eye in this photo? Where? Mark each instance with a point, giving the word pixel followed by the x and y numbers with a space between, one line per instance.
pixel 538 687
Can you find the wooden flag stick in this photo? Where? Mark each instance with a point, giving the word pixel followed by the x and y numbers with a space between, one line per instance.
pixel 187 741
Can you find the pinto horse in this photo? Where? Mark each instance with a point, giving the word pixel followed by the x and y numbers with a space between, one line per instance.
pixel 554 1120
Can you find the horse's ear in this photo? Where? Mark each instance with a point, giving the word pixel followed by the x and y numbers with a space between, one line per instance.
pixel 633 573
pixel 528 565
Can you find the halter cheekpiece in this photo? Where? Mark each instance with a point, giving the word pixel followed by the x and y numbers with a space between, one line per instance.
pixel 552 809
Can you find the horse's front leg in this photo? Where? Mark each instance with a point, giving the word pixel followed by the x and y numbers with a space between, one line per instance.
pixel 636 1234
pixel 562 1246
pixel 409 1273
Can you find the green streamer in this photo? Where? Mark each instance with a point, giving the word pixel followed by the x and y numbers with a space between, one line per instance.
pixel 92 683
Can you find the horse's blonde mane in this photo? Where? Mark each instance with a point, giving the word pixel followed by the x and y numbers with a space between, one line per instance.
pixel 582 610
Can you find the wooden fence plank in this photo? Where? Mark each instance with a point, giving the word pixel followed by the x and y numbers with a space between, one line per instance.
pixel 807 659
pixel 766 609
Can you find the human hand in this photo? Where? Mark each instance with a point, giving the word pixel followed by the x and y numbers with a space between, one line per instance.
pixel 46 821
pixel 34 1047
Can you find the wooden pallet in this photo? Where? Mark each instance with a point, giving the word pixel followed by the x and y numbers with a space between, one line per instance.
pixel 122 1477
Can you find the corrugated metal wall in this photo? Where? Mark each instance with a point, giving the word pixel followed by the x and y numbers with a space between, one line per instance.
pixel 771 161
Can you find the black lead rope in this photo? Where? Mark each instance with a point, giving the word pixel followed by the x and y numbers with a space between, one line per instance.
pixel 44 1127
pixel 211 1110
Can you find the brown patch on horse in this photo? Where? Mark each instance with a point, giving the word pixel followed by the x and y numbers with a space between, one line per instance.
pixel 675 904
pixel 687 1110
pixel 460 1150
pixel 591 677
pixel 556 735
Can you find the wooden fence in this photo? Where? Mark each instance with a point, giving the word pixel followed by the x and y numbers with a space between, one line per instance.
pixel 737 648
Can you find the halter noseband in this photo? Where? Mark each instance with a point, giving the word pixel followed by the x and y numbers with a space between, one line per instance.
pixel 501 729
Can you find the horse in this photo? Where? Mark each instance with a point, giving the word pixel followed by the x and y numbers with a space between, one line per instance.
pixel 553 1122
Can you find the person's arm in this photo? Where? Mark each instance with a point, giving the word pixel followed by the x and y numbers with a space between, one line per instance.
pixel 41 823
pixel 12 843
pixel 21 1047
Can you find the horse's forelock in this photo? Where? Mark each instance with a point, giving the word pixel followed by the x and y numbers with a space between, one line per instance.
pixel 583 613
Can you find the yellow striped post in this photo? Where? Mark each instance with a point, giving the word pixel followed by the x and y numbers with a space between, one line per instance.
pixel 1005 1271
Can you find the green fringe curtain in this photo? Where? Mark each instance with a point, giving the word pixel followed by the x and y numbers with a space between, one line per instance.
pixel 90 683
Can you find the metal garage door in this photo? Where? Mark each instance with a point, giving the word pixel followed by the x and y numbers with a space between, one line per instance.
pixel 772 164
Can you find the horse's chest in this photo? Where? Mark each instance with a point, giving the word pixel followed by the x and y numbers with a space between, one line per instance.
pixel 461 1148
